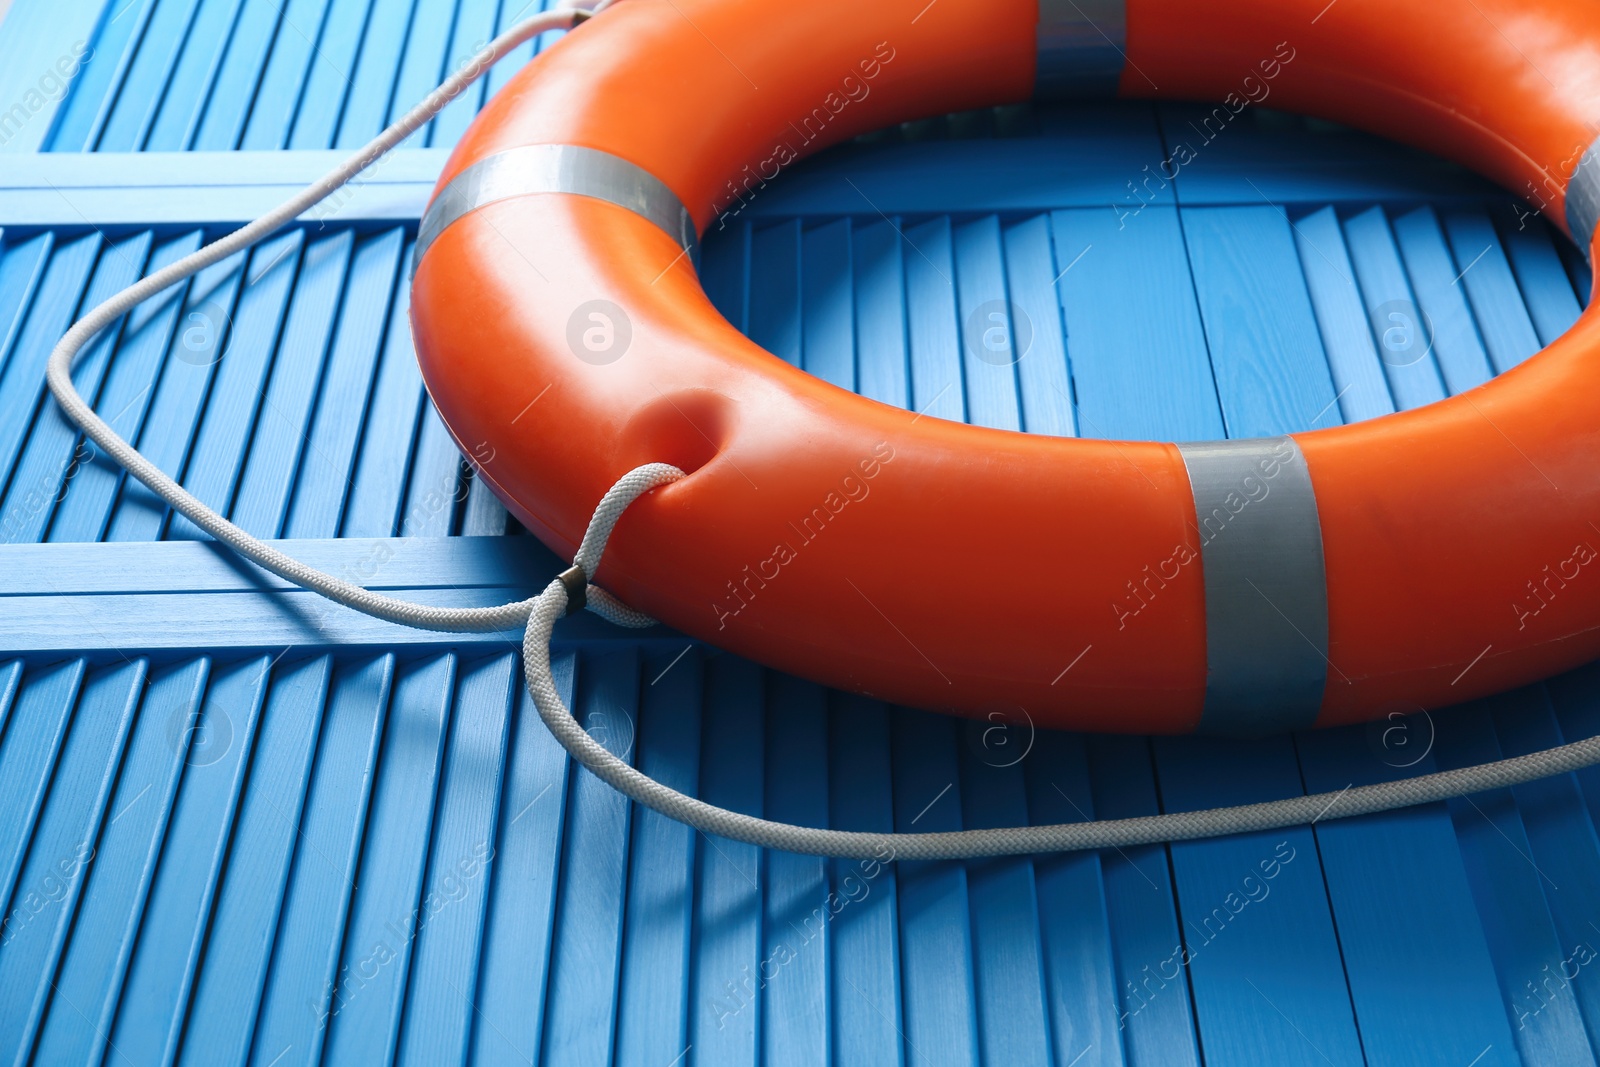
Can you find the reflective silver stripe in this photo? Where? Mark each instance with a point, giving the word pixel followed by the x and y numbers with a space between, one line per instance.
pixel 556 168
pixel 1583 198
pixel 1266 590
pixel 1081 48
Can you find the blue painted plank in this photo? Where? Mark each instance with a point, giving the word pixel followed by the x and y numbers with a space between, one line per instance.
pixel 724 986
pixel 227 992
pixel 83 112
pixel 340 401
pixel 281 438
pixel 1546 289
pixel 436 483
pixel 512 12
pixel 140 343
pixel 775 297
pixel 1007 939
pixel 1579 270
pixel 280 90
pixel 653 1000
pixel 474 26
pixel 483 515
pixel 991 332
pixel 517 938
pixel 328 82
pixel 378 473
pixel 362 1017
pixel 183 103
pixel 1268 155
pixel 1042 377
pixel 1140 368
pixel 1576 698
pixel 1445 321
pixel 827 283
pixel 10 683
pixel 305 954
pixel 199 568
pixel 1153 1003
pixel 1497 303
pixel 54 452
pixel 1079 156
pixel 799 905
pixel 865 950
pixel 1347 342
pixel 37 922
pixel 236 391
pixel 1258 932
pixel 372 81
pixel 89 984
pixel 37 624
pixel 50 313
pixel 939 1001
pixel 422 67
pixel 22 268
pixel 35 728
pixel 724 272
pixel 1507 887
pixel 1074 924
pixel 233 91
pixel 441 1001
pixel 1563 851
pixel 585 955
pixel 36 36
pixel 1391 308
pixel 882 370
pixel 142 88
pixel 200 334
pixel 933 327
pixel 218 189
pixel 216 740
pixel 1422 981
pixel 1255 306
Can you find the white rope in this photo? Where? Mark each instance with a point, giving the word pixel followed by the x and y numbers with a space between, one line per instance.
pixel 541 612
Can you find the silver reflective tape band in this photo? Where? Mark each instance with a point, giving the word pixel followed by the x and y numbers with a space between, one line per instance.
pixel 1081 48
pixel 556 168
pixel 1266 590
pixel 1583 198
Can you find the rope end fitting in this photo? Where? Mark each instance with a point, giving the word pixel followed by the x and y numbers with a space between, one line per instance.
pixel 576 584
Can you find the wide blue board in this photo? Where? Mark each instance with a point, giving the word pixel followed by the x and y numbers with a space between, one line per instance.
pixel 239 825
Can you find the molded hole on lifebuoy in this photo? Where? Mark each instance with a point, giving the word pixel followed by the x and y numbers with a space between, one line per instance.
pixel 686 429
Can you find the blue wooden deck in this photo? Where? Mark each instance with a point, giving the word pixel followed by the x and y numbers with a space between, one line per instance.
pixel 239 825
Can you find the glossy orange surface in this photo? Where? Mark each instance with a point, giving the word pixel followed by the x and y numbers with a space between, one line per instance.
pixel 949 566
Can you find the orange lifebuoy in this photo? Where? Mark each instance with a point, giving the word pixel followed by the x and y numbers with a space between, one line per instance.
pixel 1312 579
